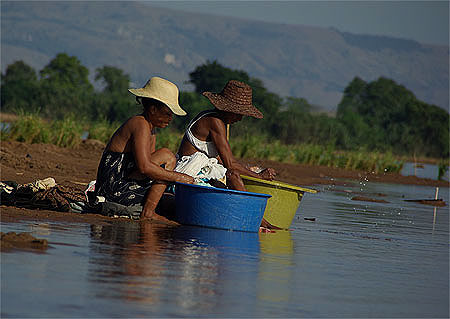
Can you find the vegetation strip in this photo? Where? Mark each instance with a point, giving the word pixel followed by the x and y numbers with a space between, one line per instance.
pixel 68 133
pixel 376 122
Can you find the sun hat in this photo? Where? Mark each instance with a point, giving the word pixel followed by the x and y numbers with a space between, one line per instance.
pixel 162 90
pixel 236 97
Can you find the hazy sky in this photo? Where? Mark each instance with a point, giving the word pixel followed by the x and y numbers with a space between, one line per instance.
pixel 423 21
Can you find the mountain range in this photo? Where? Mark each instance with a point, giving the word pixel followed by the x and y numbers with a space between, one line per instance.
pixel 143 40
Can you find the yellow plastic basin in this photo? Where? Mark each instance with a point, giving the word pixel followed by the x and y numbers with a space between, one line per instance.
pixel 283 204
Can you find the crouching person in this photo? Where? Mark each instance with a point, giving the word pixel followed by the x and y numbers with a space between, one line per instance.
pixel 205 151
pixel 131 171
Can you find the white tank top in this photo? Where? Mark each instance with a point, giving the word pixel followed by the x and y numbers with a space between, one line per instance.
pixel 209 148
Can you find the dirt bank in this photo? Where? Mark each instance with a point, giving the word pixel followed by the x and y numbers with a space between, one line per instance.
pixel 24 163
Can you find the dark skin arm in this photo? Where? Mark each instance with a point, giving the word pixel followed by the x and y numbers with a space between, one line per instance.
pixel 217 132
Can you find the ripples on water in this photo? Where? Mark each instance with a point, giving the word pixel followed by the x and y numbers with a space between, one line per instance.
pixel 357 259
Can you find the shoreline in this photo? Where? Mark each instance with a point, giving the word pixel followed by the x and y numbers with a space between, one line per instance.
pixel 25 163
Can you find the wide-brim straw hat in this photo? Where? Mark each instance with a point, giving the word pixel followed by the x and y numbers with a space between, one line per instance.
pixel 236 97
pixel 162 90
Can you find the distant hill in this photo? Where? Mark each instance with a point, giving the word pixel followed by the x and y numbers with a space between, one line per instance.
pixel 310 62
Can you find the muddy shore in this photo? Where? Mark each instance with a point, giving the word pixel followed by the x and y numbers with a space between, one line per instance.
pixel 25 163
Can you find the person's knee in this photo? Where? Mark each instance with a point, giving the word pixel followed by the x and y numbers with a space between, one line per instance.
pixel 168 158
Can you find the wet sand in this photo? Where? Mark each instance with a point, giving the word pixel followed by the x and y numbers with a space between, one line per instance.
pixel 25 163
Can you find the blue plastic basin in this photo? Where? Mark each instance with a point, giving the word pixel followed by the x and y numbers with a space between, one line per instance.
pixel 219 208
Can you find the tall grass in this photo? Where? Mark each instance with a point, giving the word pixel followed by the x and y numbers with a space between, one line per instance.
pixel 28 128
pixel 260 148
pixel 102 130
pixel 31 128
pixel 67 132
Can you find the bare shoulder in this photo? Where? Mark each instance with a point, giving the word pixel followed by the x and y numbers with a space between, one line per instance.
pixel 136 123
pixel 133 127
pixel 207 125
pixel 136 120
pixel 215 123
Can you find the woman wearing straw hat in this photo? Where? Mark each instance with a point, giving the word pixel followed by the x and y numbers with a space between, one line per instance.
pixel 131 170
pixel 206 136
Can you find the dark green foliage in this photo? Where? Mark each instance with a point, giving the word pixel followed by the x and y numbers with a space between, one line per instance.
pixel 267 102
pixel 65 87
pixel 212 77
pixel 380 116
pixel 384 115
pixel 114 103
pixel 19 88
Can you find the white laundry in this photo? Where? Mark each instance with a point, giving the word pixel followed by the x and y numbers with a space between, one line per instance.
pixel 198 165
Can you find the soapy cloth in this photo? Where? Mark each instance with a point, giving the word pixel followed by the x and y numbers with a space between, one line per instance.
pixel 201 167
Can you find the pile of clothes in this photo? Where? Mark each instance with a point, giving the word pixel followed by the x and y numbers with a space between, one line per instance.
pixel 46 194
pixel 42 194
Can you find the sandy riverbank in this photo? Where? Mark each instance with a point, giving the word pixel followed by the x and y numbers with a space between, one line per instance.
pixel 24 163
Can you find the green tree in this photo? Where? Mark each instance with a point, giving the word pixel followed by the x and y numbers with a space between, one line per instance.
pixel 267 102
pixel 65 87
pixel 296 124
pixel 114 103
pixel 386 116
pixel 353 96
pixel 289 124
pixel 19 88
pixel 212 77
pixel 113 78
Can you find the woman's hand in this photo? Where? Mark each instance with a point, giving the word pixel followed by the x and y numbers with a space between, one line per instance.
pixel 268 174
pixel 184 178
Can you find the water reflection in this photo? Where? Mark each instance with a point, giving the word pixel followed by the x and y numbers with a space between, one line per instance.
pixel 128 258
pixel 276 267
pixel 191 266
pixel 434 219
pixel 356 259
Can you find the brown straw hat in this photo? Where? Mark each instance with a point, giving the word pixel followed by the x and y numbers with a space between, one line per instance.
pixel 236 97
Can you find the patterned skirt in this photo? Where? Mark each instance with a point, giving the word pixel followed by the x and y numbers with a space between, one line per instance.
pixel 113 182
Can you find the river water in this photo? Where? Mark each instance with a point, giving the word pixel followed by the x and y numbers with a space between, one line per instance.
pixel 346 259
pixel 430 171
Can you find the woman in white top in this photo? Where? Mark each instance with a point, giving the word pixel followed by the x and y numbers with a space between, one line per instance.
pixel 207 132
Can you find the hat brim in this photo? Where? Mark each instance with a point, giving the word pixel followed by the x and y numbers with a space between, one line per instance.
pixel 224 104
pixel 176 109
